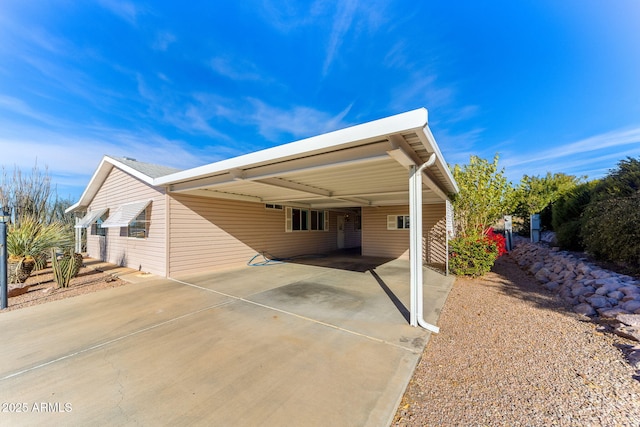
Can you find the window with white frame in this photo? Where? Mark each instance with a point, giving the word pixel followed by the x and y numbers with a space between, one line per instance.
pixel 397 222
pixel 273 206
pixel 139 227
pixel 96 227
pixel 297 219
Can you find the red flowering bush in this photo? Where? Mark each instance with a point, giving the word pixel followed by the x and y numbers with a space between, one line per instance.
pixel 475 255
pixel 500 241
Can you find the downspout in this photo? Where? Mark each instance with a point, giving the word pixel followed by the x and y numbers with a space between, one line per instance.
pixel 415 202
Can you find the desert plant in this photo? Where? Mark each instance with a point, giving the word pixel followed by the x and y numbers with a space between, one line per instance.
pixel 66 268
pixel 29 240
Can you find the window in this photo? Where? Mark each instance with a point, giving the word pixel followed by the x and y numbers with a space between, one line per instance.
pixel 397 222
pixel 138 227
pixel 132 219
pixel 96 227
pixel 272 206
pixel 300 218
pixel 317 220
pixel 304 220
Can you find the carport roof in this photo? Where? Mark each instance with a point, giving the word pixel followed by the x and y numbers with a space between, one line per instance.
pixel 363 165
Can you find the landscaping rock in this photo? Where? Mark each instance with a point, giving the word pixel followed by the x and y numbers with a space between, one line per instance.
pixel 629 319
pixel 628 332
pixel 633 356
pixel 615 294
pixel 14 291
pixel 584 309
pixel 631 306
pixel 542 275
pixel 599 301
pixel 630 290
pixel 589 289
pixel 611 313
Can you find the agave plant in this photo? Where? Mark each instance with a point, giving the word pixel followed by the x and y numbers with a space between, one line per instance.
pixel 28 241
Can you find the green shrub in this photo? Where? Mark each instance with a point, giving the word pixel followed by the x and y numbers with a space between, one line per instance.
pixel 611 229
pixel 472 255
pixel 566 215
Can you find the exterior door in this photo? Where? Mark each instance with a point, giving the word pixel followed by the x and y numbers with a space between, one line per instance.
pixel 340 231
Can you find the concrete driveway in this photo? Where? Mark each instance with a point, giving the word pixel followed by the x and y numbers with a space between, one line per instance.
pixel 286 344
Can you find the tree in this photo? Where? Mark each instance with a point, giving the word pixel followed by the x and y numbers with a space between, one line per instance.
pixel 31 195
pixel 624 181
pixel 611 221
pixel 535 193
pixel 485 196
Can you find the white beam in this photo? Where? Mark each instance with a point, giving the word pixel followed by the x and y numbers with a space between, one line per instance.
pixel 351 156
pixel 402 152
pixel 223 195
pixel 291 185
pixel 429 182
pixel 209 182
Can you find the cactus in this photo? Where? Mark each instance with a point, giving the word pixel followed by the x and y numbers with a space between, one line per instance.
pixel 66 268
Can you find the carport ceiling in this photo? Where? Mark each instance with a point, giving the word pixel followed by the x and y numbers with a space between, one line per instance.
pixel 364 165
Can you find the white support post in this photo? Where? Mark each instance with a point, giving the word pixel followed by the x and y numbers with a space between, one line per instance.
pixel 415 246
pixel 415 269
pixel 78 235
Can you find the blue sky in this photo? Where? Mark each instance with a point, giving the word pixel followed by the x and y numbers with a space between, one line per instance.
pixel 550 85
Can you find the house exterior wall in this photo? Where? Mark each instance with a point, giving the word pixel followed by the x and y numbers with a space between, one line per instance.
pixel 209 233
pixel 380 242
pixel 146 254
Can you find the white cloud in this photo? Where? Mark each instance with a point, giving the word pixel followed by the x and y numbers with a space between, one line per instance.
pixel 71 158
pixel 298 121
pixel 593 156
pixel 617 138
pixel 125 10
pixel 287 15
pixel 341 24
pixel 235 70
pixel 421 90
pixel 163 40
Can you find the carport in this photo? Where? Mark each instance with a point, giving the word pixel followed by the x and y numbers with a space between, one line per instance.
pixel 394 161
pixel 316 342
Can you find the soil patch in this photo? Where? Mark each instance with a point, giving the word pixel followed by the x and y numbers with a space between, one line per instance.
pixel 43 289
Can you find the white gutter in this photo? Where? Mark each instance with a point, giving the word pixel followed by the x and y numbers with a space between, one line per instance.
pixel 415 245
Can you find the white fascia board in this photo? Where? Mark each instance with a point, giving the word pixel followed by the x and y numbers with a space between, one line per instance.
pixel 106 164
pixel 440 163
pixel 94 185
pixel 409 121
pixel 131 171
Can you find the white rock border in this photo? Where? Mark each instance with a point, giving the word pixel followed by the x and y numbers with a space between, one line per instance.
pixel 591 291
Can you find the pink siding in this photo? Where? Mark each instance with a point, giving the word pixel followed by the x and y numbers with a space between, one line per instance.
pixel 211 233
pixel 147 254
pixel 378 241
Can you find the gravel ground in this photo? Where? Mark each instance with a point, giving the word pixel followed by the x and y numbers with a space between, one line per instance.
pixel 510 354
pixel 43 289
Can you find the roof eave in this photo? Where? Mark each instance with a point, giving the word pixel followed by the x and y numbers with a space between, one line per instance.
pixel 411 120
pixel 106 164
